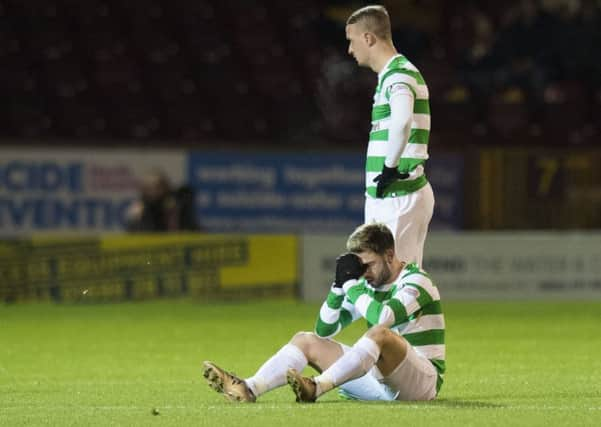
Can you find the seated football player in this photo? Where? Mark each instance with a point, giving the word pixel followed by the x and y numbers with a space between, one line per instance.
pixel 400 357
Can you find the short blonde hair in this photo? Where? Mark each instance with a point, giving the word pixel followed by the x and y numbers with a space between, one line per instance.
pixel 375 237
pixel 375 19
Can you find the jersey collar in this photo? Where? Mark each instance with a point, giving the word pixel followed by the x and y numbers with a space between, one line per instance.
pixel 385 68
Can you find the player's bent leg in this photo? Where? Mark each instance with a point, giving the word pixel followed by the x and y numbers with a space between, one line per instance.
pixel 415 378
pixel 404 370
pixel 304 348
pixel 320 352
pixel 379 350
pixel 368 387
pixel 393 348
pixel 354 363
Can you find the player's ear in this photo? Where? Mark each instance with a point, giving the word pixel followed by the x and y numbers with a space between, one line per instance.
pixel 370 38
pixel 389 255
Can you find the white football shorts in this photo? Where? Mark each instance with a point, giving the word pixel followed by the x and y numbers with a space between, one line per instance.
pixel 407 217
pixel 413 379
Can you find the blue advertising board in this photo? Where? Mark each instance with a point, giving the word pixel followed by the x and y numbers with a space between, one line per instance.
pixel 89 191
pixel 81 191
pixel 293 192
pixel 446 175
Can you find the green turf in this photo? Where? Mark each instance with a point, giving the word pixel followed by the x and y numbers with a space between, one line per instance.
pixel 509 364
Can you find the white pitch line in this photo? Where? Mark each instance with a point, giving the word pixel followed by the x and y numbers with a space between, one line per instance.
pixel 286 406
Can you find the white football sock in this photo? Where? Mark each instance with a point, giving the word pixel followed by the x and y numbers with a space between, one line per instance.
pixel 353 364
pixel 273 372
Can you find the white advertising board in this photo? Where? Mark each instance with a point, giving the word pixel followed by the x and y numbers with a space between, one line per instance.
pixel 318 264
pixel 478 265
pixel 515 265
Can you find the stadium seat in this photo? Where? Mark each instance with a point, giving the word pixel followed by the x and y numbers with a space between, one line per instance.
pixel 35 13
pixel 454 116
pixel 172 85
pixel 10 46
pixel 16 81
pixel 134 118
pixel 64 79
pixel 565 109
pixel 116 75
pixel 49 45
pixel 438 73
pixel 29 119
pixel 80 118
pixel 217 82
pixel 91 17
pixel 596 111
pixel 248 118
pixel 508 113
pixel 161 55
pixel 152 59
pixel 189 121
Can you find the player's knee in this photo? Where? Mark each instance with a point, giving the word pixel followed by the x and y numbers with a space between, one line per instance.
pixel 387 340
pixel 379 334
pixel 303 340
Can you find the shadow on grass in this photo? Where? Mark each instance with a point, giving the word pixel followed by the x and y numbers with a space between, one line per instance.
pixel 463 404
pixel 443 403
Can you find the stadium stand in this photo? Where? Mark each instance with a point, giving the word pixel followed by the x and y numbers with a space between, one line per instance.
pixel 200 70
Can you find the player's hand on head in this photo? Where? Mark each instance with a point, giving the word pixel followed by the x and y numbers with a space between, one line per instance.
pixel 387 177
pixel 348 267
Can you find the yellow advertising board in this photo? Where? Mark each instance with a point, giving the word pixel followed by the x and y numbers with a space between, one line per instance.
pixel 119 267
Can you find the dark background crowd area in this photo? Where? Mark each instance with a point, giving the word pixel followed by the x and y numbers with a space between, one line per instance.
pixel 200 71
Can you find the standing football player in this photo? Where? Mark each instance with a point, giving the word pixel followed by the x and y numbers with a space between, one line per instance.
pixel 397 191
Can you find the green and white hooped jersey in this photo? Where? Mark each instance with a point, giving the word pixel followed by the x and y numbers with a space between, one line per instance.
pixel 413 158
pixel 411 307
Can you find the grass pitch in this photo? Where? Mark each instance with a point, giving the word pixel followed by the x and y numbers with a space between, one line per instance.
pixel 529 363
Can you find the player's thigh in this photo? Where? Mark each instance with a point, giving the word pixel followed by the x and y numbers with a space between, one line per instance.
pixel 425 203
pixel 412 225
pixel 415 210
pixel 414 378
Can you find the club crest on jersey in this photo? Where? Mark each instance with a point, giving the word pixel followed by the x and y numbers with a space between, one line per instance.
pixel 394 88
